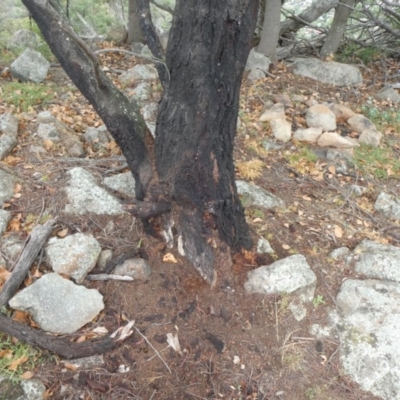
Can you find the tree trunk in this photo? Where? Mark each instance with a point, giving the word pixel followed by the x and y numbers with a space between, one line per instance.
pixel 134 31
pixel 309 15
pixel 189 175
pixel 207 52
pixel 271 27
pixel 338 27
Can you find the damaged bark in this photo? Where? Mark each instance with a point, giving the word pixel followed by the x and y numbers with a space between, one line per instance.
pixel 191 159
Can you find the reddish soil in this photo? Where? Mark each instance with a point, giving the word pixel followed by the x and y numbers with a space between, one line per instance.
pixel 234 345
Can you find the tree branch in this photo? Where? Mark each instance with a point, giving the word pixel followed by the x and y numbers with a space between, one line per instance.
pixel 153 41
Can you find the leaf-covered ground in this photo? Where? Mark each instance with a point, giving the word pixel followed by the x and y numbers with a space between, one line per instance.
pixel 235 345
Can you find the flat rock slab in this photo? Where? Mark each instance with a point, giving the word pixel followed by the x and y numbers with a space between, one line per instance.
pixel 334 73
pixel 369 331
pixel 5 217
pixel 86 196
pixel 74 256
pixel 256 196
pixel 58 305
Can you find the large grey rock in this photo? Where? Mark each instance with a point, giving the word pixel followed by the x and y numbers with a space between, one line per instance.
pixel 46 117
pixel 4 219
pixel 375 260
pixel 370 326
pixel 328 72
pixel 7 143
pixel 256 196
pixel 388 94
pixel 282 277
pixel 74 256
pixel 389 205
pixel 31 389
pixel 96 136
pixel 150 111
pixel 6 186
pixel 57 305
pixel 12 247
pixel 24 38
pixel 124 183
pixel 258 65
pixel 8 124
pixel 139 73
pixel 30 66
pixel 142 92
pixel 48 132
pixel 137 268
pixel 291 275
pixel 8 134
pixel 85 196
pixel 320 116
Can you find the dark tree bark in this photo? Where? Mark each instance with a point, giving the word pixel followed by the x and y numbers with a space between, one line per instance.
pixel 208 48
pixel 191 165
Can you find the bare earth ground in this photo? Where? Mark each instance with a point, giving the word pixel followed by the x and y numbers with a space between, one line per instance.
pixel 235 345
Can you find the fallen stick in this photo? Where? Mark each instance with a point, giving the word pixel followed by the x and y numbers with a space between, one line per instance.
pixel 35 242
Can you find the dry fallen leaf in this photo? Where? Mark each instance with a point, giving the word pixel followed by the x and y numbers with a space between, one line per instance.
pixel 71 367
pixel 62 233
pixel 17 363
pixel 286 246
pixel 338 231
pixel 6 354
pixel 4 275
pixel 27 375
pixel 170 258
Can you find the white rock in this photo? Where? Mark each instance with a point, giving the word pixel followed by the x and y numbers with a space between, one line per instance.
pixel 333 139
pixel 370 137
pixel 282 277
pixel 320 116
pixel 86 196
pixel 333 73
pixel 376 260
pixel 281 129
pixel 277 111
pixel 57 305
pixel 74 256
pixel 309 135
pixel 359 123
pixel 370 324
pixel 258 196
pixel 263 246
